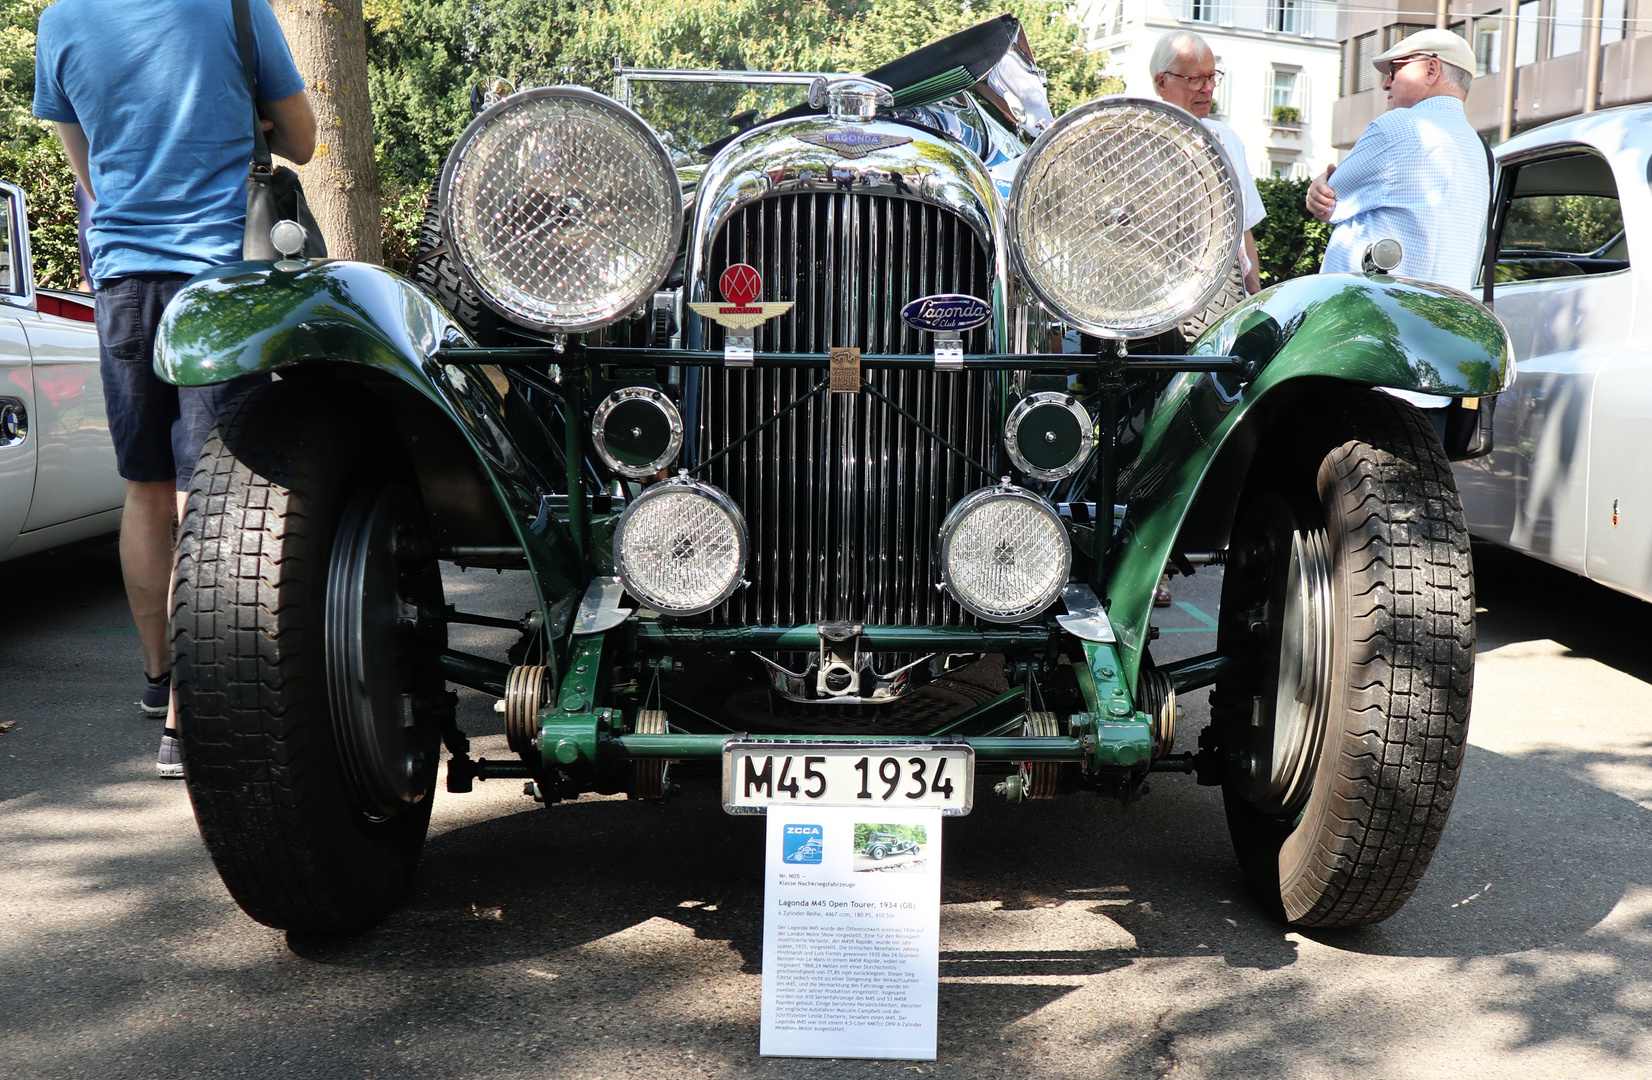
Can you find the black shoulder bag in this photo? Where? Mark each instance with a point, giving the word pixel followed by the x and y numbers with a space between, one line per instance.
pixel 273 193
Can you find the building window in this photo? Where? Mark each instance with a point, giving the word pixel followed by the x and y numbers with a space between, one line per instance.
pixel 1285 16
pixel 1365 50
pixel 1525 33
pixel 1566 32
pixel 1393 35
pixel 1284 94
pixel 1612 14
pixel 1488 43
pixel 1201 11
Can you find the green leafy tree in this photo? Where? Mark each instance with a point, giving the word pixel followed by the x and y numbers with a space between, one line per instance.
pixel 425 54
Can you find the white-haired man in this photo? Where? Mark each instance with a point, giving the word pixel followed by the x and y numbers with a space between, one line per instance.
pixel 1418 174
pixel 1184 73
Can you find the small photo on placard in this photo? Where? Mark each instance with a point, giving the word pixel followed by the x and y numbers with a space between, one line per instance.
pixel 887 848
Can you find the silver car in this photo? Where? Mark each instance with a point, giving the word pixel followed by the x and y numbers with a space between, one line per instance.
pixel 1568 479
pixel 58 481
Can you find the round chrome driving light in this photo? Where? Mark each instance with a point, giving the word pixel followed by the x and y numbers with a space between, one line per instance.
pixel 637 431
pixel 1049 435
pixel 1124 217
pixel 1004 554
pixel 563 207
pixel 680 547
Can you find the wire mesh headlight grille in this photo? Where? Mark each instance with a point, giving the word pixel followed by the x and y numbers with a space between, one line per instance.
pixel 563 208
pixel 1124 217
pixel 1004 554
pixel 680 547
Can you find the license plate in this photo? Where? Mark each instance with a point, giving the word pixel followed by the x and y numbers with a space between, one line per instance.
pixel 760 774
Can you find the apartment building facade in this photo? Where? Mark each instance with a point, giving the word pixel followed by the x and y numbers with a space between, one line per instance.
pixel 1543 44
pixel 1281 60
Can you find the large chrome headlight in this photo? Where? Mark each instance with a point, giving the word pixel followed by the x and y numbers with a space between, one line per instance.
pixel 1004 554
pixel 680 547
pixel 1124 217
pixel 563 207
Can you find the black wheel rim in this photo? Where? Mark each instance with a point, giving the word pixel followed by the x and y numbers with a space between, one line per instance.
pixel 379 577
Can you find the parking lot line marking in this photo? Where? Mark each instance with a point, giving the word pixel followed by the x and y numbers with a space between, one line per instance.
pixel 1196 613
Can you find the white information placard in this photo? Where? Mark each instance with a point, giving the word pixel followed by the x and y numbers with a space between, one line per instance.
pixel 851 932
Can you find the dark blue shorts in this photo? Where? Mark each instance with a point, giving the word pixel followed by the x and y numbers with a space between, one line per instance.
pixel 158 428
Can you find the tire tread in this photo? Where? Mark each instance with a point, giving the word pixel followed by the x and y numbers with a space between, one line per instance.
pixel 1410 617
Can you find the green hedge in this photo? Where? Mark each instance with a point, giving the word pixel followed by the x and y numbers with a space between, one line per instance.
pixel 1289 241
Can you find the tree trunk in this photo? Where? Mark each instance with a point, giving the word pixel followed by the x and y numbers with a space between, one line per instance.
pixel 341 182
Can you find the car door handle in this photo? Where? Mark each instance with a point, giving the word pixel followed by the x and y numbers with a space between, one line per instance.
pixel 14 421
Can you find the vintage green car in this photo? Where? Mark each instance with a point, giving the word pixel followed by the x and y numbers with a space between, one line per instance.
pixel 836 473
pixel 881 845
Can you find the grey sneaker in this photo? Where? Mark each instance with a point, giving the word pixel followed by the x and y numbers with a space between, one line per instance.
pixel 169 762
pixel 157 693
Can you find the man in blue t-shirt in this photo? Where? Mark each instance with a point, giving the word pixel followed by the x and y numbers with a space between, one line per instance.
pixel 152 105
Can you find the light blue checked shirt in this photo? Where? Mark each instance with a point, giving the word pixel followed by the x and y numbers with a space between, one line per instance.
pixel 1418 176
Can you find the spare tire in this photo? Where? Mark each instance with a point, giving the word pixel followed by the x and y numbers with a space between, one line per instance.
pixel 436 268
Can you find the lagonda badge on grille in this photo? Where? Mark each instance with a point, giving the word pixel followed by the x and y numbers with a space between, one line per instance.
pixel 853 142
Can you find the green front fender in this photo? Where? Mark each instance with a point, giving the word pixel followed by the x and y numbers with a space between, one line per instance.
pixel 248 318
pixel 1366 330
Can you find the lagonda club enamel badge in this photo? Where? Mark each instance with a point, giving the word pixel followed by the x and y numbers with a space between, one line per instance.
pixel 740 285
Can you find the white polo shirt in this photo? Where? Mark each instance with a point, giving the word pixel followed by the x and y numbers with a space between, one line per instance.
pixel 1253 212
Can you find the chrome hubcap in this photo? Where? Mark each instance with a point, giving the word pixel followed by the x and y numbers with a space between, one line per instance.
pixel 1280 746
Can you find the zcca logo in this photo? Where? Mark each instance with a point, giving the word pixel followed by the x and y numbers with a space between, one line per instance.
pixel 801 844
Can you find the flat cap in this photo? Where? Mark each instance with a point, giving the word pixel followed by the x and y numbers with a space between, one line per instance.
pixel 1441 44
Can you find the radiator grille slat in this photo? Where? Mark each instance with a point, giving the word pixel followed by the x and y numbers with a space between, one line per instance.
pixel 843 497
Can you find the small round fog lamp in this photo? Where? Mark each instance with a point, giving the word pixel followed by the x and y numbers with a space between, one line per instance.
pixel 1049 435
pixel 1004 553
pixel 680 547
pixel 637 431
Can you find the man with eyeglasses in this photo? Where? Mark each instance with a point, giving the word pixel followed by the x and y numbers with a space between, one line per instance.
pixel 1184 73
pixel 1419 174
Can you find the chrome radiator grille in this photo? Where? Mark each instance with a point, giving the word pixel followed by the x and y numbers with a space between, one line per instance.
pixel 843 496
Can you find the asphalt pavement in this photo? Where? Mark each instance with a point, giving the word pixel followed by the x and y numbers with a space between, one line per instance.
pixel 604 939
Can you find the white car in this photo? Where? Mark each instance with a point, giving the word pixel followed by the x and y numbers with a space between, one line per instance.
pixel 1568 479
pixel 58 481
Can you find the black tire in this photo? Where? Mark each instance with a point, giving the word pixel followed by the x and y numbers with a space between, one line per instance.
pixel 1343 837
pixel 436 268
pixel 878 854
pixel 275 773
